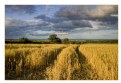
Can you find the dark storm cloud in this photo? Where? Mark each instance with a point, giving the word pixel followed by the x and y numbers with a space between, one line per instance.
pixel 71 17
pixel 16 28
pixel 72 12
pixel 81 23
pixel 30 23
pixel 70 25
pixel 50 19
pixel 62 23
pixel 20 9
pixel 44 17
pixel 110 20
pixel 65 25
pixel 86 12
pixel 100 12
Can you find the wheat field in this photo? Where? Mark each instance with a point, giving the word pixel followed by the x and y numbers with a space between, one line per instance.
pixel 61 62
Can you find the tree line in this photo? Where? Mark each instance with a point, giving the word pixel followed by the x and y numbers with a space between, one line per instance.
pixel 54 39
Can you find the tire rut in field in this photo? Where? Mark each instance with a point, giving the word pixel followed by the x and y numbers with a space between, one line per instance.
pixel 86 71
pixel 39 73
pixel 64 66
pixel 43 68
pixel 51 61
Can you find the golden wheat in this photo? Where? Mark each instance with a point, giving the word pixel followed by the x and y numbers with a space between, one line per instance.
pixel 61 61
pixel 103 59
pixel 65 66
pixel 20 58
pixel 42 57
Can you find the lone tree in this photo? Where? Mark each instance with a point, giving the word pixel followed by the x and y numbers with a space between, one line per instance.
pixel 24 40
pixel 54 39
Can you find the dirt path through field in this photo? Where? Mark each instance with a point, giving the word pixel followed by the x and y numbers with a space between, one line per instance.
pixel 86 71
pixel 39 73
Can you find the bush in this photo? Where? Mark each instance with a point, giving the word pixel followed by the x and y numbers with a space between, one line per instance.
pixel 24 40
pixel 66 41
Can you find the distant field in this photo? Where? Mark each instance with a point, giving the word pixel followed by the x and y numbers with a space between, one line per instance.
pixel 61 61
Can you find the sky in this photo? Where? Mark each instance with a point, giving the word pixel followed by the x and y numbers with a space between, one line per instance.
pixel 67 21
